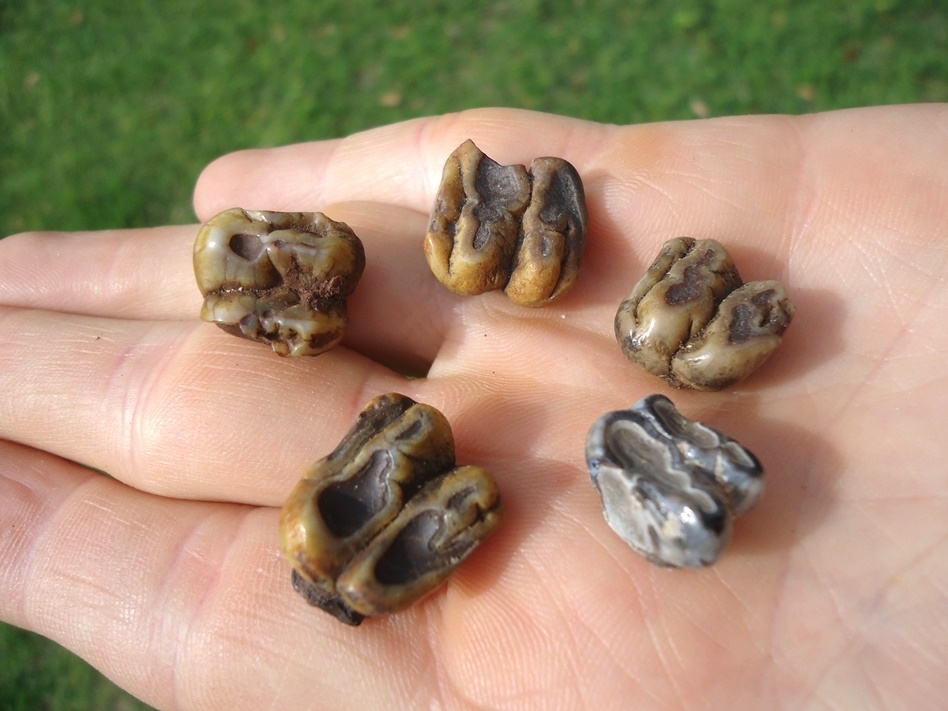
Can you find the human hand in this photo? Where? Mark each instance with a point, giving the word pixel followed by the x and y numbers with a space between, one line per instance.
pixel 168 577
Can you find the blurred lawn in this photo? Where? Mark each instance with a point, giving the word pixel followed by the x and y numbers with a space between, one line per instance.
pixel 108 110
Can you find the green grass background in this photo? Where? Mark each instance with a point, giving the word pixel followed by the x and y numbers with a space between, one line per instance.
pixel 109 110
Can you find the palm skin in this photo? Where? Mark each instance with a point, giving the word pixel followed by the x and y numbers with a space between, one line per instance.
pixel 168 576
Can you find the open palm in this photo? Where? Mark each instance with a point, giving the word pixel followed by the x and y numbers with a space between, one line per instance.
pixel 168 577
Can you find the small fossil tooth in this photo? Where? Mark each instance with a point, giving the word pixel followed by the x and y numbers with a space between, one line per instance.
pixel 670 486
pixel 692 321
pixel 504 227
pixel 280 278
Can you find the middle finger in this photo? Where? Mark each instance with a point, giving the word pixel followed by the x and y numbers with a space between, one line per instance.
pixel 147 275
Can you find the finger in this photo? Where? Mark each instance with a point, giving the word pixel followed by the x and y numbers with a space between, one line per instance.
pixel 180 409
pixel 185 410
pixel 760 183
pixel 399 164
pixel 733 179
pixel 651 178
pixel 170 598
pixel 397 315
pixel 135 274
pixel 172 594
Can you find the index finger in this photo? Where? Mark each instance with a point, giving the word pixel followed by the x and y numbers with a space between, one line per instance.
pixel 644 184
pixel 398 164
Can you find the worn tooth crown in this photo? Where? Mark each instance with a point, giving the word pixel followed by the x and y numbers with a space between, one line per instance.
pixel 504 227
pixel 280 278
pixel 670 486
pixel 692 321
pixel 387 516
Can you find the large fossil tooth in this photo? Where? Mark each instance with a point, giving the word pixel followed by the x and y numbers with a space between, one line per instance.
pixel 387 516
